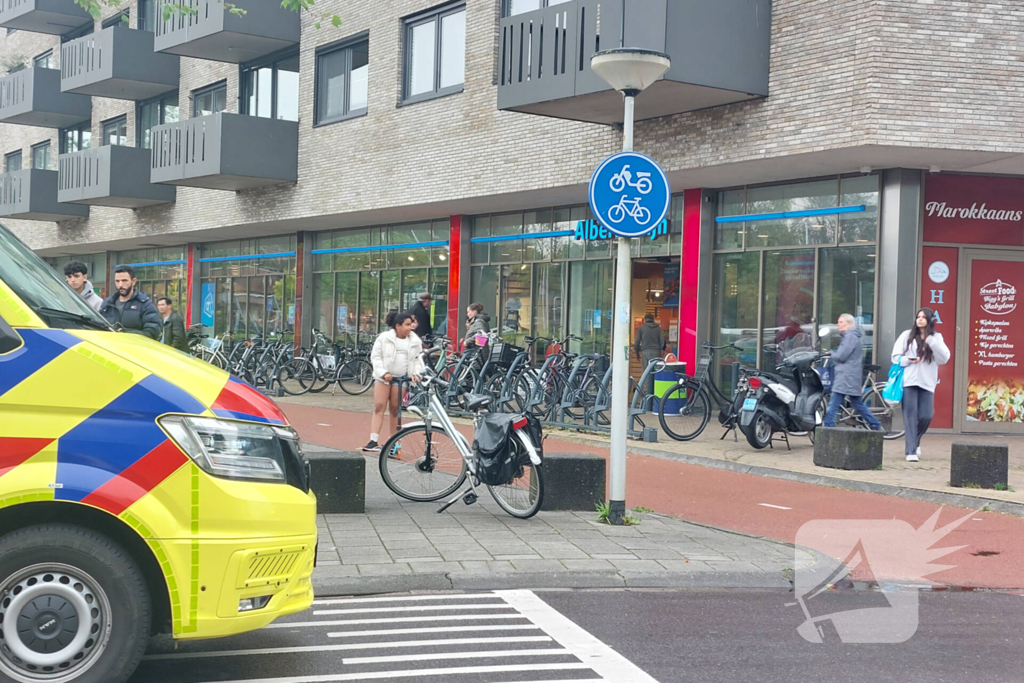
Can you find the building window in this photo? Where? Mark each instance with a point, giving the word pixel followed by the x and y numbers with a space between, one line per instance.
pixel 146 21
pixel 159 110
pixel 341 81
pixel 210 100
pixel 12 161
pixel 115 131
pixel 513 7
pixel 75 138
pixel 119 19
pixel 44 61
pixel 41 155
pixel 435 53
pixel 77 33
pixel 270 88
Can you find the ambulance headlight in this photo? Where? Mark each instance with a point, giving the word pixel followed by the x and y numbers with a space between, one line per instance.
pixel 233 450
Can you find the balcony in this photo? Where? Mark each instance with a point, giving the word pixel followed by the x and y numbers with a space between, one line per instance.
pixel 226 152
pixel 32 97
pixel 31 194
pixel 206 30
pixel 110 176
pixel 118 62
pixel 55 17
pixel 719 51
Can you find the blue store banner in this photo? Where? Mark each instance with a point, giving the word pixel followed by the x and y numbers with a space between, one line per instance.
pixel 209 303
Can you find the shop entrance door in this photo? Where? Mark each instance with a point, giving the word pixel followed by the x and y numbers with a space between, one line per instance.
pixel 990 342
pixel 655 291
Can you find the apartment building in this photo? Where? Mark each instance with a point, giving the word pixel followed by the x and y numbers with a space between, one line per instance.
pixel 270 171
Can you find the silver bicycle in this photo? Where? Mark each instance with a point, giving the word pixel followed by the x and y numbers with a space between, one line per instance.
pixel 430 459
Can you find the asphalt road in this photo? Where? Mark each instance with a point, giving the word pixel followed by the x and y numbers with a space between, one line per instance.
pixel 616 635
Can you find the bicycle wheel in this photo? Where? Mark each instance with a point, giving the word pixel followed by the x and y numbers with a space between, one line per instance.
pixel 318 379
pixel 421 469
pixel 355 376
pixel 523 496
pixel 685 410
pixel 216 359
pixel 295 376
pixel 885 412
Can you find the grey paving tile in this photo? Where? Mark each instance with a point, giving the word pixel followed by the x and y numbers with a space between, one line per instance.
pixel 518 557
pixel 466 555
pixel 384 569
pixel 657 554
pixel 587 565
pixel 435 567
pixel 367 559
pixel 614 556
pixel 538 565
pixel 487 566
pixel 638 565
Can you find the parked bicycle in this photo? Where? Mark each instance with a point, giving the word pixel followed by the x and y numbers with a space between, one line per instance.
pixel 883 411
pixel 686 406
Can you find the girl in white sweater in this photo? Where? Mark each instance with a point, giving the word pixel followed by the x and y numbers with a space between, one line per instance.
pixel 920 350
pixel 396 353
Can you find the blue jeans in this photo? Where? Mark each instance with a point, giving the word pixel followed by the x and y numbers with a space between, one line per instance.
pixel 856 403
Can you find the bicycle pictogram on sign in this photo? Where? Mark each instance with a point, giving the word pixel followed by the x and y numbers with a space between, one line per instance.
pixel 629 194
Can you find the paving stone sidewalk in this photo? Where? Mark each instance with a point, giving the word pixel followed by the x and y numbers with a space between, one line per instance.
pixel 399 545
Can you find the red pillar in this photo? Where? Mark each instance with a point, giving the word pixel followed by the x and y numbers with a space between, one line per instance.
pixel 190 250
pixel 690 277
pixel 454 268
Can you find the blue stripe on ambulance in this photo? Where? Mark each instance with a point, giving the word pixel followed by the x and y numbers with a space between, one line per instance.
pixel 40 347
pixel 117 436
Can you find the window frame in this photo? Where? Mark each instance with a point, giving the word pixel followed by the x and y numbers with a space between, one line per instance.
pixel 171 95
pixel 207 90
pixel 436 15
pixel 346 44
pixel 16 154
pixel 48 56
pixel 45 144
pixel 271 60
pixel 117 19
pixel 142 16
pixel 118 122
pixel 81 128
pixel 506 7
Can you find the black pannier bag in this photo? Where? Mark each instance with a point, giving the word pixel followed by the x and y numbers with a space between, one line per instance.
pixel 498 456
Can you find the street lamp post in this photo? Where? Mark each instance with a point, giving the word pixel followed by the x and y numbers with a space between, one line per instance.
pixel 630 71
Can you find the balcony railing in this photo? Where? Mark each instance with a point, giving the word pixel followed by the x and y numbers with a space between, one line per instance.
pixel 32 97
pixel 719 51
pixel 117 62
pixel 226 152
pixel 55 17
pixel 31 194
pixel 207 30
pixel 111 175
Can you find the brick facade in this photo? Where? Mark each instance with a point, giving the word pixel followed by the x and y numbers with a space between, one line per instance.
pixel 922 80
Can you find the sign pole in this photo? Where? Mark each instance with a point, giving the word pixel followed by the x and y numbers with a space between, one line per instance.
pixel 620 354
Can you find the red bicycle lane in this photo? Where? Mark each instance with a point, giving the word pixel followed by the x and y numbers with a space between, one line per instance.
pixel 992 556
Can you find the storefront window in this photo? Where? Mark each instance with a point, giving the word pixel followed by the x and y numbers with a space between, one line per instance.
pixel 516 304
pixel 791 231
pixel 859 227
pixel 590 304
pixel 507 251
pixel 847 285
pixel 787 300
pixel 483 289
pixel 346 292
pixel 548 299
pixel 369 290
pixel 166 274
pixel 730 235
pixel 734 304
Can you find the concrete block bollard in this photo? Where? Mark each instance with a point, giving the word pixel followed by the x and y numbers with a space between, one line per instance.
pixel 847 449
pixel 573 481
pixel 338 478
pixel 979 464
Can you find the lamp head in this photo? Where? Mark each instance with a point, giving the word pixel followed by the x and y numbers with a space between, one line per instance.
pixel 630 70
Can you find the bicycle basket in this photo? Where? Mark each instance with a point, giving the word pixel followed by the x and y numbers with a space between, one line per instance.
pixel 504 353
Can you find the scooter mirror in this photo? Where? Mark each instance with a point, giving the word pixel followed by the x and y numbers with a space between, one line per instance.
pixel 824 331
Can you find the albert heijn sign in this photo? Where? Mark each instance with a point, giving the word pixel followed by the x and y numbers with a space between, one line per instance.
pixel 961 209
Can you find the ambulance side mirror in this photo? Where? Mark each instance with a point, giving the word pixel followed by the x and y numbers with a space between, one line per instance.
pixel 9 339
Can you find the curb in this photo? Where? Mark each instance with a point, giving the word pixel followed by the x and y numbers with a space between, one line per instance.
pixel 923 495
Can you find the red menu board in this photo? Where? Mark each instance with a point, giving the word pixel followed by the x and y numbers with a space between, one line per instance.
pixel 938 292
pixel 995 373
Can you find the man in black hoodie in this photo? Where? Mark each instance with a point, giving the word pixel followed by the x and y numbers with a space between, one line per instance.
pixel 420 312
pixel 130 308
pixel 649 344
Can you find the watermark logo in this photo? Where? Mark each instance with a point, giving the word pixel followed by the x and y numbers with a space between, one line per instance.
pixel 884 550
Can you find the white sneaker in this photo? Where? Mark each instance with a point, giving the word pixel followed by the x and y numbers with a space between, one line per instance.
pixel 913 458
pixel 919 451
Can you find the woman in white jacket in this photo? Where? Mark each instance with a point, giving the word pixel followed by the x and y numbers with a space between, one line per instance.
pixel 920 350
pixel 396 353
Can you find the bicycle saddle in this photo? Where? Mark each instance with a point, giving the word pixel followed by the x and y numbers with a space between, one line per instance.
pixel 475 402
pixel 872 368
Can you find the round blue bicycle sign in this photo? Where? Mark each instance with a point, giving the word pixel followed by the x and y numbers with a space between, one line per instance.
pixel 629 194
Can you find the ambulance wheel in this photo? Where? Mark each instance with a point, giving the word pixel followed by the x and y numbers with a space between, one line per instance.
pixel 73 607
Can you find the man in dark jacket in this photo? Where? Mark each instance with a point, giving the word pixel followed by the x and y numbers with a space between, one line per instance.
pixel 848 379
pixel 649 344
pixel 174 326
pixel 420 312
pixel 130 308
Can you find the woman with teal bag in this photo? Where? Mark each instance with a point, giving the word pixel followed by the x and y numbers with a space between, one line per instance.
pixel 919 351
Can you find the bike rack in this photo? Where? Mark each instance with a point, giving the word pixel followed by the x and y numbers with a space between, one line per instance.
pixel 506 386
pixel 469 356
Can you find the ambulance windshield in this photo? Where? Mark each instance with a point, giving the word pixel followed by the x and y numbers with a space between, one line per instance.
pixel 43 290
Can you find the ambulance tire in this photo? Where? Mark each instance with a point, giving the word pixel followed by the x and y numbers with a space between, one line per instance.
pixel 93 565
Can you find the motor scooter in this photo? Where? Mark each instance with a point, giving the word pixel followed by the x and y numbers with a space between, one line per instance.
pixel 789 400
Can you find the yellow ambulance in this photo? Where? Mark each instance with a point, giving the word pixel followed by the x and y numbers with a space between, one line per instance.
pixel 141 491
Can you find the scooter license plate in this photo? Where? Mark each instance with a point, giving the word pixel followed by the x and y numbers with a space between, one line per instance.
pixel 749 404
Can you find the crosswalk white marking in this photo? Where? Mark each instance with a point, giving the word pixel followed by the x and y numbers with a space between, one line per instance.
pixel 407 608
pixel 476 628
pixel 397 620
pixel 475 654
pixel 412 673
pixel 350 646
